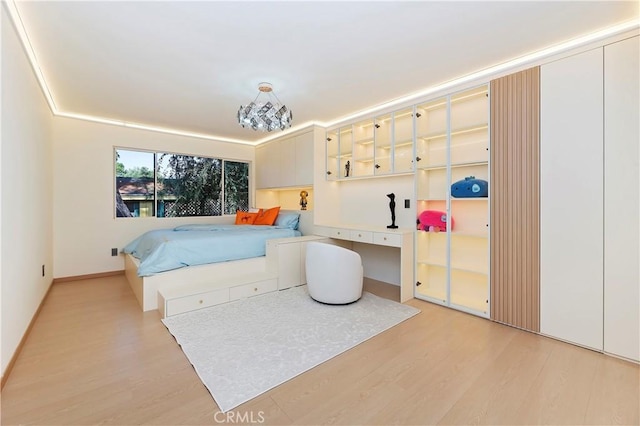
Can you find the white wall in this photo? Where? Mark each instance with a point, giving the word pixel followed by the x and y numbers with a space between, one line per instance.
pixel 380 263
pixel 365 201
pixel 27 224
pixel 84 187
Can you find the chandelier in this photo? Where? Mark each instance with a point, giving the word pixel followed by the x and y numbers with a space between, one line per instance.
pixel 266 116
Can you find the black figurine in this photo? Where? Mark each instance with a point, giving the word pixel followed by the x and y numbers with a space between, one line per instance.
pixel 392 207
pixel 347 169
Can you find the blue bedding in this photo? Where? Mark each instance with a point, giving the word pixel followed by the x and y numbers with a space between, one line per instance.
pixel 166 249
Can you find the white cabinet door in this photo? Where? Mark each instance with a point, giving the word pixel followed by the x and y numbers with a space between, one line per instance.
pixel 268 165
pixel 289 265
pixel 262 171
pixel 304 159
pixel 571 199
pixel 621 204
pixel 285 162
pixel 303 263
pixel 287 158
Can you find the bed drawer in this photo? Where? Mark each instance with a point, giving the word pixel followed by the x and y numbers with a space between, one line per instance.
pixel 253 289
pixel 193 302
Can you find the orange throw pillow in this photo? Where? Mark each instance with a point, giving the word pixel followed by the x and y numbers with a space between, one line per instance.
pixel 245 218
pixel 267 217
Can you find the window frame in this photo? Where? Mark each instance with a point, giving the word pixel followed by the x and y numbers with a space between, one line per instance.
pixel 155 154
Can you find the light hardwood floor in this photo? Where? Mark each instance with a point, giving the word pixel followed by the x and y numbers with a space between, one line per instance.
pixel 94 358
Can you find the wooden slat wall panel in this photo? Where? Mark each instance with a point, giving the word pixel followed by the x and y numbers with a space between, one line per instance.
pixel 515 199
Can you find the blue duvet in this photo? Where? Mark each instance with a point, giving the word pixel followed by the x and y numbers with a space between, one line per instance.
pixel 167 249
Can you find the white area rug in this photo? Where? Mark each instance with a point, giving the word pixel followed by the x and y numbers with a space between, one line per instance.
pixel 244 348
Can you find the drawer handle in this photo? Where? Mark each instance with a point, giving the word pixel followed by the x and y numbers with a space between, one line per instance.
pixel 338 232
pixel 384 238
pixel 200 301
pixel 255 289
pixel 359 235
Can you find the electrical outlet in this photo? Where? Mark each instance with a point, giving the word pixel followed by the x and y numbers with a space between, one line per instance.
pixel 114 252
pixel 407 203
pixel 43 270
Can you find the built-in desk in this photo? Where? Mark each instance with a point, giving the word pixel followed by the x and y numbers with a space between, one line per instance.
pixel 401 238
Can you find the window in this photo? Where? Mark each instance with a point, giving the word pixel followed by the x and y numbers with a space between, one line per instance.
pixel 135 183
pixel 236 187
pixel 165 184
pixel 189 186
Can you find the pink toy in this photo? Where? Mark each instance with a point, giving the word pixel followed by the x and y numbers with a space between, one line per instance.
pixel 433 221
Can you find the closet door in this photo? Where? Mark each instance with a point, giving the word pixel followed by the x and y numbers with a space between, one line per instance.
pixel 266 173
pixel 621 211
pixel 304 159
pixel 571 199
pixel 287 161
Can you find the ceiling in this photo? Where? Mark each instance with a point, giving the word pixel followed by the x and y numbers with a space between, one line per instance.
pixel 190 65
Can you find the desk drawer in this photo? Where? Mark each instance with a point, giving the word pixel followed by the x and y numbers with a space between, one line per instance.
pixel 193 302
pixel 361 236
pixel 322 230
pixel 253 289
pixel 384 239
pixel 341 234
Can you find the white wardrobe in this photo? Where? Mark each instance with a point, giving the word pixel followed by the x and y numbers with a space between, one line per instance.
pixel 589 199
pixel 621 204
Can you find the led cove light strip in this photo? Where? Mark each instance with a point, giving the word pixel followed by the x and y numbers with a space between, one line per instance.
pixel 607 32
pixel 22 33
pixel 580 41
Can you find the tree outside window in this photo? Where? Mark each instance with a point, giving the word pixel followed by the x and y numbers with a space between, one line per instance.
pixel 135 183
pixel 236 187
pixel 183 185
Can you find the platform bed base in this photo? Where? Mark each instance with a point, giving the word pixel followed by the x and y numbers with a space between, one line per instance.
pixel 146 288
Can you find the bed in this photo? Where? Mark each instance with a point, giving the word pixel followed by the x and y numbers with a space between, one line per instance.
pixel 189 245
pixel 191 254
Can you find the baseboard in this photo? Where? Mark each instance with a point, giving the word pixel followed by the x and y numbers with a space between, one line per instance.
pixel 88 276
pixel 6 373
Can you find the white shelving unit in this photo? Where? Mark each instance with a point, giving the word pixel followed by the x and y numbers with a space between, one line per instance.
pixel 380 146
pixel 452 142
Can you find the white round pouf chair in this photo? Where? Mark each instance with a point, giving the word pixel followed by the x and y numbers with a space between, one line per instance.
pixel 334 274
